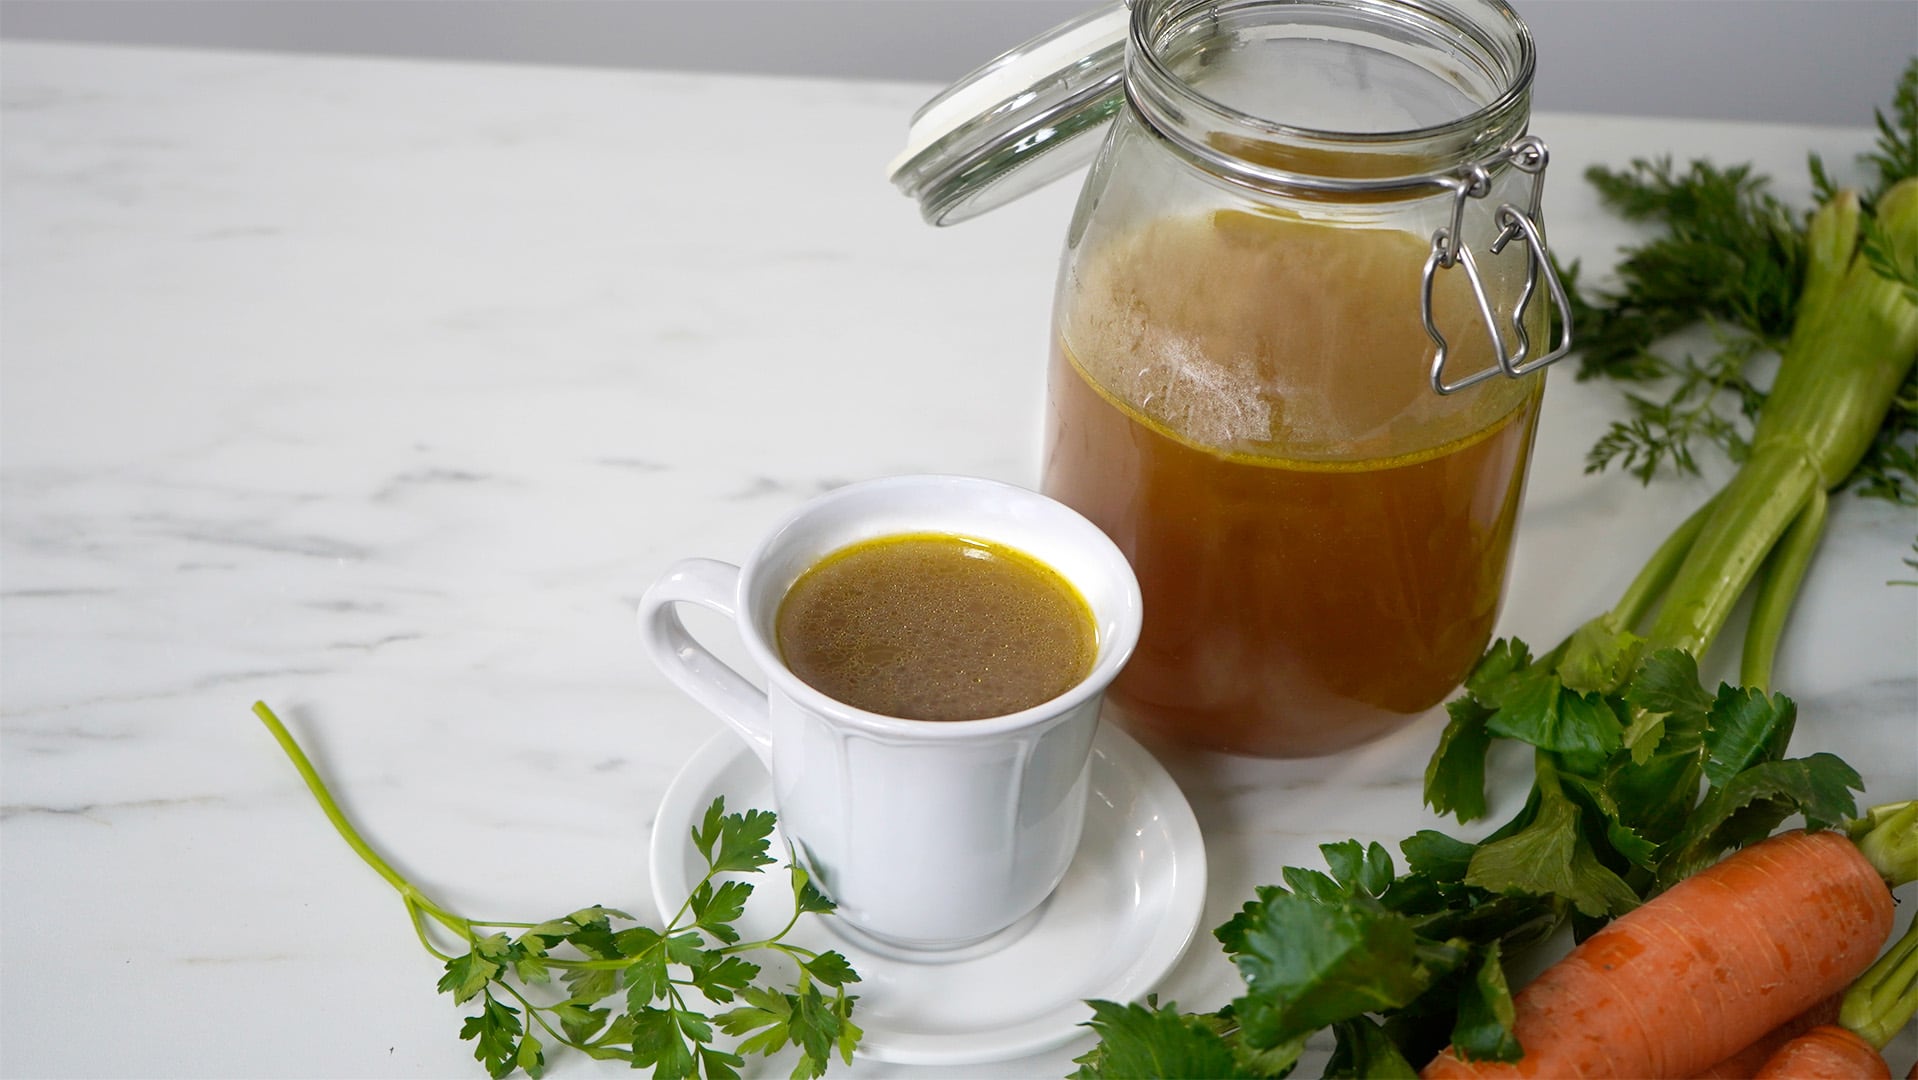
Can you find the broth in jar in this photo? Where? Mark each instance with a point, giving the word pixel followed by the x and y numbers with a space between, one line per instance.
pixel 1242 402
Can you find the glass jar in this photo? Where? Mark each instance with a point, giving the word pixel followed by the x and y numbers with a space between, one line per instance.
pixel 1296 341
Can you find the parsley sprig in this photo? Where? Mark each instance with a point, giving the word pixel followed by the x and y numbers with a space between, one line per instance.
pixel 629 992
pixel 1641 777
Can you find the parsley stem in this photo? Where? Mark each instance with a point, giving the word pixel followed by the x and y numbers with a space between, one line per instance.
pixel 672 924
pixel 599 964
pixel 533 1012
pixel 1547 773
pixel 797 954
pixel 407 890
pixel 772 942
pixel 413 913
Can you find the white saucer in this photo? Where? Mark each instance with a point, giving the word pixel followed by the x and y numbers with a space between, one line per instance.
pixel 1124 914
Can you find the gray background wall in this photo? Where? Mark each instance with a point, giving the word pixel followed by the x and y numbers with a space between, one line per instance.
pixel 1808 61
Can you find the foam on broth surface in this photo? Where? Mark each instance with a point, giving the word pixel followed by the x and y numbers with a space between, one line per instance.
pixel 930 626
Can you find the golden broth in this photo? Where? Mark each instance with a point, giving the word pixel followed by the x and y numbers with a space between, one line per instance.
pixel 1241 403
pixel 929 626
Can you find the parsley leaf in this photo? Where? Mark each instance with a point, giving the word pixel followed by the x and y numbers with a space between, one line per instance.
pixel 467 975
pixel 1746 728
pixel 1138 1042
pixel 737 843
pixel 1551 857
pixel 1537 708
pixel 495 1033
pixel 1455 777
pixel 719 1064
pixel 830 969
pixel 815 1027
pixel 720 977
pixel 659 1041
pixel 715 909
pixel 530 1056
pixel 1436 855
pixel 579 1022
pixel 587 985
pixel 806 895
pixel 1486 1013
pixel 1365 1052
pixel 1755 802
pixel 766 1012
pixel 1308 962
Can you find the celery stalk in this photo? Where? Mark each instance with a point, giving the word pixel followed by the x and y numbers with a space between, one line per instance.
pixel 1854 338
pixel 1778 585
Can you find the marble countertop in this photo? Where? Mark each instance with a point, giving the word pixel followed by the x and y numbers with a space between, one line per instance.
pixel 379 390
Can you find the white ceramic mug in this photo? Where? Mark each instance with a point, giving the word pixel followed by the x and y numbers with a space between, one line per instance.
pixel 930 835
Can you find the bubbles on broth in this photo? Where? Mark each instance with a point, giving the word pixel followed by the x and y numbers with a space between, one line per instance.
pixel 1273 335
pixel 930 626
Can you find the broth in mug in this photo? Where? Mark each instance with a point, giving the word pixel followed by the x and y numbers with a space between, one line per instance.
pixel 930 626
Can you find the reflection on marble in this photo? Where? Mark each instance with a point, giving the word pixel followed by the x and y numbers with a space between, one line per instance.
pixel 380 390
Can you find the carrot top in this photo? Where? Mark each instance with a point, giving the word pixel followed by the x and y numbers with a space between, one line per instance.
pixel 1885 997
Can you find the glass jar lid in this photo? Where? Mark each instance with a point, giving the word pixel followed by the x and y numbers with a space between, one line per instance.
pixel 1018 122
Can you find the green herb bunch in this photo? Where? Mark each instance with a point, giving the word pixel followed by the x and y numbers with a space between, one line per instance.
pixel 655 982
pixel 1736 259
pixel 1642 776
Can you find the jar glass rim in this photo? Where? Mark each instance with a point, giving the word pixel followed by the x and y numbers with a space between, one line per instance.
pixel 1254 151
pixel 1153 22
pixel 1028 116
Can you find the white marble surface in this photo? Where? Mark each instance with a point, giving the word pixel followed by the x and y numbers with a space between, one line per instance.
pixel 380 389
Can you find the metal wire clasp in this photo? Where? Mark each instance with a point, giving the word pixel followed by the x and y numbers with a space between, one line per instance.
pixel 1527 154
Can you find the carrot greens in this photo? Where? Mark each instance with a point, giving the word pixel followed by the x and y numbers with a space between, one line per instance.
pixel 629 992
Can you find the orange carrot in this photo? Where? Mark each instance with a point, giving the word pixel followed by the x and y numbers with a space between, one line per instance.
pixel 1826 1052
pixel 1745 1063
pixel 1718 960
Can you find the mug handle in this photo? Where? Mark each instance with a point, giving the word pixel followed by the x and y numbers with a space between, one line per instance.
pixel 688 664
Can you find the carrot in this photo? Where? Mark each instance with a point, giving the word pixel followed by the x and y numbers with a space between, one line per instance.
pixel 1826 1052
pixel 1703 969
pixel 1746 1062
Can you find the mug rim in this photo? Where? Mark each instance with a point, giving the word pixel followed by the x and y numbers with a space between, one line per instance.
pixel 1112 655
